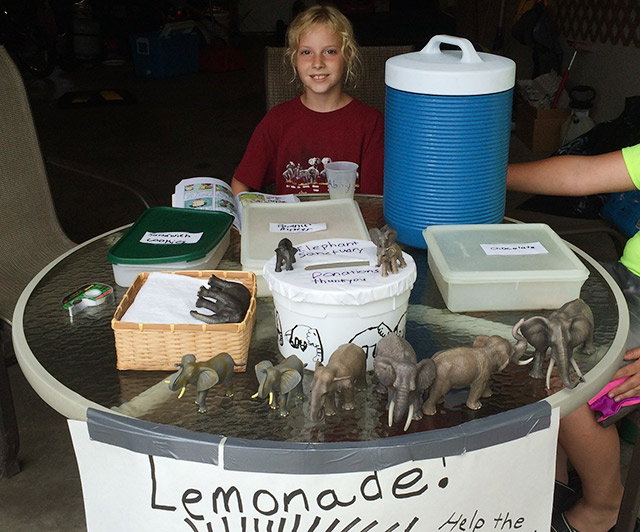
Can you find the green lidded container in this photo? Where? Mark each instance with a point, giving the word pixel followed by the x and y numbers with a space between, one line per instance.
pixel 168 239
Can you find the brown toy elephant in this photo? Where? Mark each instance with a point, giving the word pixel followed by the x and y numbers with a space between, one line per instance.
pixel 568 327
pixel 345 371
pixel 471 367
pixel 388 252
pixel 205 375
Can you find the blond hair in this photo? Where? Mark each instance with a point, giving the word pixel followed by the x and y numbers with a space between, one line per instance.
pixel 332 17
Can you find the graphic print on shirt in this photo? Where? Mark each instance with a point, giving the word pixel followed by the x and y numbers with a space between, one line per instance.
pixel 306 179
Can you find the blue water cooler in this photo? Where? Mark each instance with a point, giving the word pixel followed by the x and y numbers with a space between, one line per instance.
pixel 447 131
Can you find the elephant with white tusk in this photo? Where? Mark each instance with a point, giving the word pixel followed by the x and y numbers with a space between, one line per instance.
pixel 468 367
pixel 403 378
pixel 345 372
pixel 205 375
pixel 280 380
pixel 565 329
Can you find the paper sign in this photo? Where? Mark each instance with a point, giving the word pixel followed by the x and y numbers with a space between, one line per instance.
pixel 529 248
pixel 297 227
pixel 479 490
pixel 170 238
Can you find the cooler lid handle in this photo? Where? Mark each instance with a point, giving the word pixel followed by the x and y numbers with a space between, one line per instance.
pixel 469 54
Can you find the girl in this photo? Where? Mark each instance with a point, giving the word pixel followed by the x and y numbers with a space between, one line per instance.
pixel 293 141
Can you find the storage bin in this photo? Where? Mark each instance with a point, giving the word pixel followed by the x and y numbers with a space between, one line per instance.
pixel 317 309
pixel 503 267
pixel 447 132
pixel 342 219
pixel 162 55
pixel 149 346
pixel 131 255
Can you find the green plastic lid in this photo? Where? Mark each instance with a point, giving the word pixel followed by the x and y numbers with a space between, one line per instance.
pixel 168 235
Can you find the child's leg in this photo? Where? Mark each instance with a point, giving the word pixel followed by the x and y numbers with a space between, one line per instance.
pixel 594 452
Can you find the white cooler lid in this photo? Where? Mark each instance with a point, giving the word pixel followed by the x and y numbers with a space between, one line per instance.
pixel 462 72
pixel 344 285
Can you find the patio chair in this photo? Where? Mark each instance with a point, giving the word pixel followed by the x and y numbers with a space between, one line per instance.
pixel 30 236
pixel 370 88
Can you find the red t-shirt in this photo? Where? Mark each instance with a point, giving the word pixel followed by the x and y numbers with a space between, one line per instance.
pixel 291 144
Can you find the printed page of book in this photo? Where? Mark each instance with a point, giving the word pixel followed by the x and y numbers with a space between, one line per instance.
pixel 206 193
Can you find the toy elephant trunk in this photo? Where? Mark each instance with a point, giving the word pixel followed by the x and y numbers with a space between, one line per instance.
pixel 183 376
pixel 520 347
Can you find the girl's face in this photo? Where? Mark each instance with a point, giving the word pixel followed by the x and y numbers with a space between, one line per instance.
pixel 319 61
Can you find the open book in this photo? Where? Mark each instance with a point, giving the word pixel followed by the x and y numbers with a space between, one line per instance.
pixel 211 194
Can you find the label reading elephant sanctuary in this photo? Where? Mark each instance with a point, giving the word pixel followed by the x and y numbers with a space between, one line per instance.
pixel 297 227
pixel 170 238
pixel 479 490
pixel 529 248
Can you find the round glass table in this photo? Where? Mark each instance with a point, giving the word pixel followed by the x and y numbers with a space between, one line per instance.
pixel 71 361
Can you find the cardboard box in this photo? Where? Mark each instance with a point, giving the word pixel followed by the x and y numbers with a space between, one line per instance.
pixel 156 55
pixel 540 129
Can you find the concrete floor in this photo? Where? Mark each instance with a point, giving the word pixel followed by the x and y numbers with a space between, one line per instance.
pixel 180 127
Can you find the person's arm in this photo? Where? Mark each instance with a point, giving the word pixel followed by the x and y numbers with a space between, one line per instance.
pixel 237 187
pixel 571 175
pixel 630 387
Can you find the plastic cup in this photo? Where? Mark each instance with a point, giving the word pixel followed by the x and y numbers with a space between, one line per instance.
pixel 341 179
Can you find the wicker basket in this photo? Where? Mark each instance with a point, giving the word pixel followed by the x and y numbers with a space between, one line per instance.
pixel 155 346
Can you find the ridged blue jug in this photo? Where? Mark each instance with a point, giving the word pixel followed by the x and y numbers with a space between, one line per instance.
pixel 447 131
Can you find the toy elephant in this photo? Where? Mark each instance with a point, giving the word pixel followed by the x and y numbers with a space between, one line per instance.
pixel 471 367
pixel 281 379
pixel 388 252
pixel 403 378
pixel 565 329
pixel 285 254
pixel 228 300
pixel 345 371
pixel 205 375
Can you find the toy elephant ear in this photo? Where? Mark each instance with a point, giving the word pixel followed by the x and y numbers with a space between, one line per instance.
pixel 426 373
pixel 384 371
pixel 261 369
pixel 207 378
pixel 390 234
pixel 376 235
pixel 289 379
pixel 535 325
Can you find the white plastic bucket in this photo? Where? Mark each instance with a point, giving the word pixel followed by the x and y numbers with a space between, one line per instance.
pixel 319 309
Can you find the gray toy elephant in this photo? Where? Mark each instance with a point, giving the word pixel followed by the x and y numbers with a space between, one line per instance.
pixel 345 372
pixel 565 329
pixel 471 367
pixel 388 252
pixel 280 380
pixel 403 378
pixel 205 375
pixel 285 254
pixel 228 300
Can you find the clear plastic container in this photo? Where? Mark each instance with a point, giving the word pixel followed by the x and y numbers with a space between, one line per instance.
pixel 503 267
pixel 342 218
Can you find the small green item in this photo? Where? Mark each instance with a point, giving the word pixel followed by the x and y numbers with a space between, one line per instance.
pixel 87 296
pixel 165 235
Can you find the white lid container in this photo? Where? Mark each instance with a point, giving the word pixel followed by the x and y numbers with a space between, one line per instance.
pixel 320 308
pixel 261 221
pixel 503 267
pixel 450 72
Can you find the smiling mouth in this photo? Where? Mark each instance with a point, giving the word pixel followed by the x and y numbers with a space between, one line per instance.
pixel 319 77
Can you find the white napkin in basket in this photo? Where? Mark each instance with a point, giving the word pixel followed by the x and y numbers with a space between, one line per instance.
pixel 166 298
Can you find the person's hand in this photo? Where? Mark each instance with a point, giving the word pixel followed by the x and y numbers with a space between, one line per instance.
pixel 630 387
